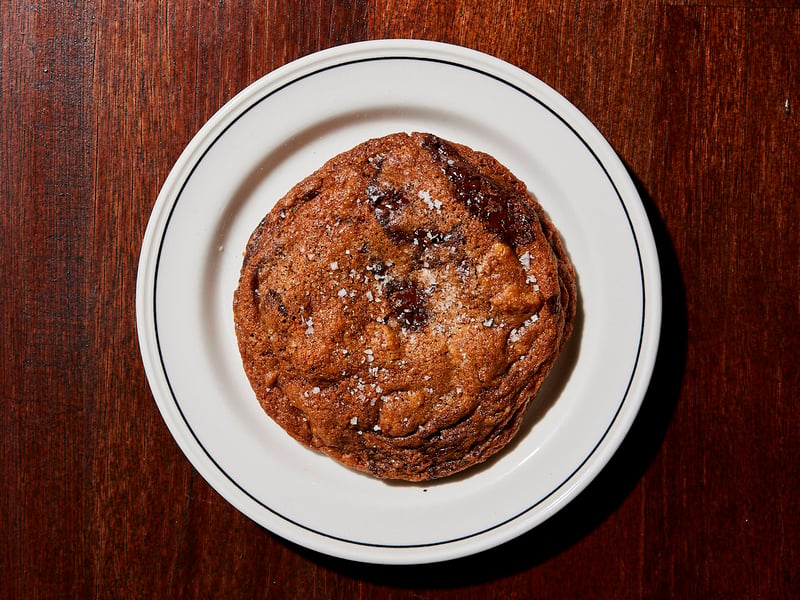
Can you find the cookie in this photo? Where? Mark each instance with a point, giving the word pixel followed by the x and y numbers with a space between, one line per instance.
pixel 400 307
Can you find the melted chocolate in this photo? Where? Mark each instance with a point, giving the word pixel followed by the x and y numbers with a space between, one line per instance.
pixel 378 269
pixel 386 203
pixel 503 214
pixel 311 194
pixel 408 303
pixel 555 304
pixel 274 297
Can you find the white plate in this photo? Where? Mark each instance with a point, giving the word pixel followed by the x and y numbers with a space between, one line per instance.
pixel 280 129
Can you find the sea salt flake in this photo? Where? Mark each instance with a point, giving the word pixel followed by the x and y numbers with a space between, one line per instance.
pixel 426 198
pixel 334 266
pixel 342 293
pixel 369 296
pixel 488 322
pixel 315 390
pixel 354 421
pixel 376 428
pixel 525 260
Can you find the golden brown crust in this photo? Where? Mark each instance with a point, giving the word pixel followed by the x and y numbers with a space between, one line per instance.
pixel 399 308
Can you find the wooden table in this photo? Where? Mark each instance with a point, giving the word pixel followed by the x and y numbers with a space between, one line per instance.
pixel 700 99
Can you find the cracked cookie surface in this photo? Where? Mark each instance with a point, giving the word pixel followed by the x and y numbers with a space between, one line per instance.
pixel 400 307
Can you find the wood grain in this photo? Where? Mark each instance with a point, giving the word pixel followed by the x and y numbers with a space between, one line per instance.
pixel 701 101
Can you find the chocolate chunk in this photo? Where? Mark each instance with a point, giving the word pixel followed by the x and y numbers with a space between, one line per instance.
pixel 502 213
pixel 408 303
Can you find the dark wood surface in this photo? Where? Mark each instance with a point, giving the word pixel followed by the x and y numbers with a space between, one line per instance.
pixel 700 99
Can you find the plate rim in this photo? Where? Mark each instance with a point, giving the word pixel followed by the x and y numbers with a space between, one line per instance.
pixel 630 201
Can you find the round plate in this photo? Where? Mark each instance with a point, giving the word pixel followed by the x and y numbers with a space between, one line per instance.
pixel 282 128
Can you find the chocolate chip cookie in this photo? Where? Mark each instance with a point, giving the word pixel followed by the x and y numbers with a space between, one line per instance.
pixel 400 307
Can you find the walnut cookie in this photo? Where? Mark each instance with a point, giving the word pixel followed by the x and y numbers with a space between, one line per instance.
pixel 400 307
